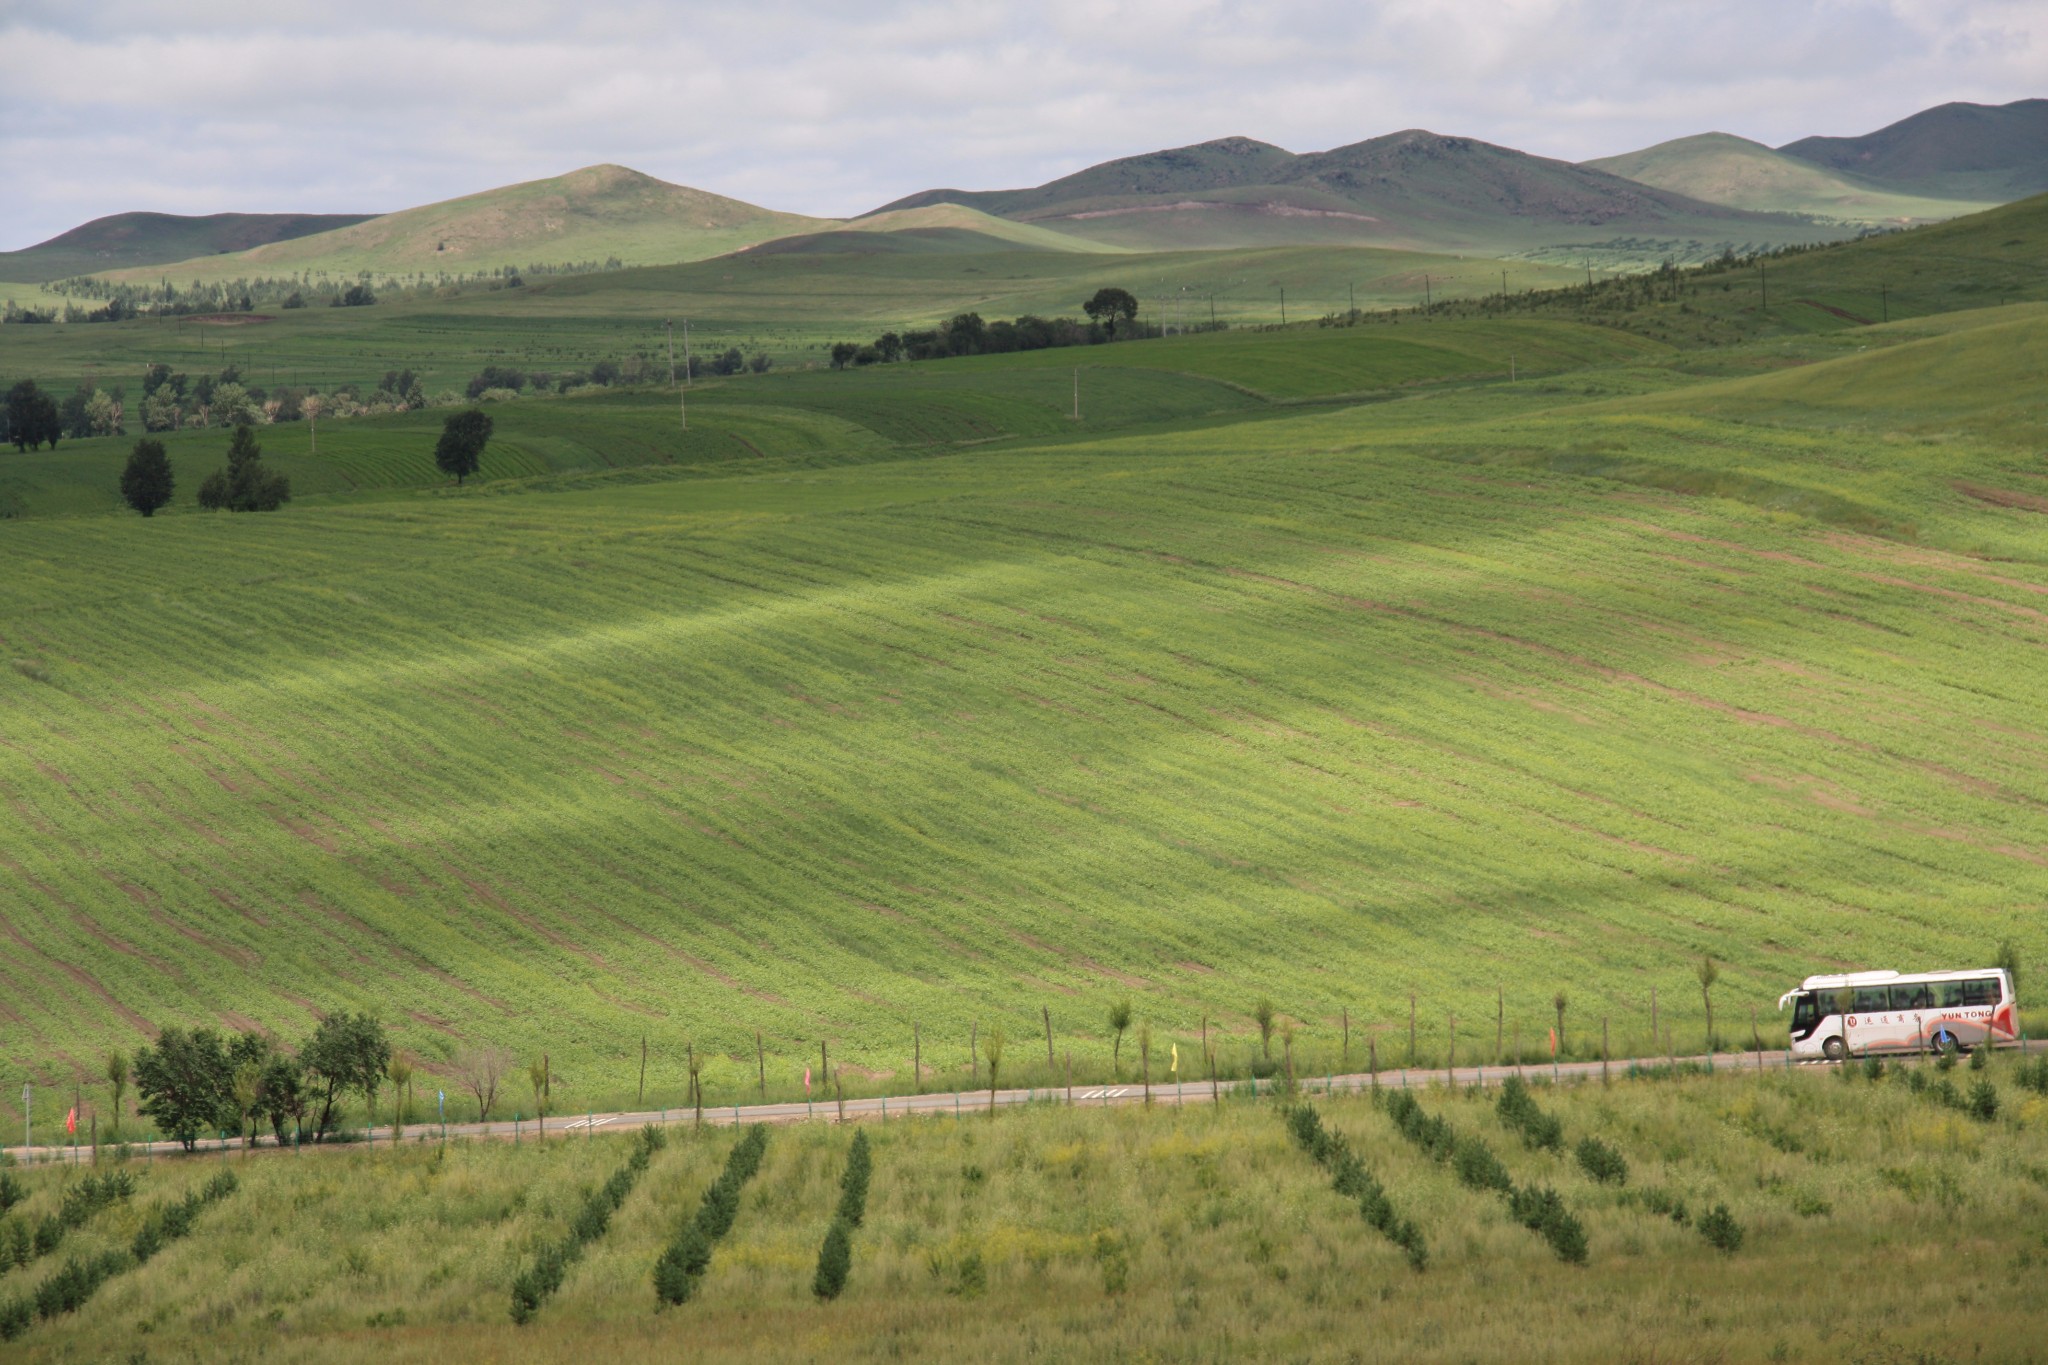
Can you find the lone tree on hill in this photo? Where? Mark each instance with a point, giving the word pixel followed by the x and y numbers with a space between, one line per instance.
pixel 1262 1014
pixel 1708 974
pixel 146 483
pixel 461 447
pixel 245 485
pixel 1108 305
pixel 1119 1020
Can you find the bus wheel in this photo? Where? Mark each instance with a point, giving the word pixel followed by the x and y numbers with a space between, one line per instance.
pixel 1834 1049
pixel 1946 1042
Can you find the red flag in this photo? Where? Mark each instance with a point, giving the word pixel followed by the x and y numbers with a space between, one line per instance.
pixel 1553 1042
pixel 807 1080
pixel 71 1120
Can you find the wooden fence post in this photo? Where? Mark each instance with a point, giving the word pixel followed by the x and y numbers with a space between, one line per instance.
pixel 1046 1010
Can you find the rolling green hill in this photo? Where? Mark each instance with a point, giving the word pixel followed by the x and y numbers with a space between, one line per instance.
pixel 141 239
pixel 1326 707
pixel 1721 169
pixel 1957 151
pixel 946 228
pixel 1414 189
pixel 592 214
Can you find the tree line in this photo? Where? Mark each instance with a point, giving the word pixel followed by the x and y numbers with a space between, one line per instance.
pixel 1112 315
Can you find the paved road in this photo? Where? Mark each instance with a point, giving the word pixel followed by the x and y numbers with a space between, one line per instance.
pixel 971 1101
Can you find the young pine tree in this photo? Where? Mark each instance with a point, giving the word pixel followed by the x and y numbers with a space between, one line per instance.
pixel 146 482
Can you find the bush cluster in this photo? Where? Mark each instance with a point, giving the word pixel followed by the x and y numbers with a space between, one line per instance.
pixel 835 1257
pixel 1721 1230
pixel 532 1286
pixel 1539 1210
pixel 1602 1162
pixel 12 1191
pixel 2027 1075
pixel 688 1254
pixel 1349 1178
pixel 1980 1103
pixel 21 1243
pixel 1661 1202
pixel 74 1283
pixel 1520 1113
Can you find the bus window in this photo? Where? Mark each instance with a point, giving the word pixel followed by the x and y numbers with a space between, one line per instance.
pixel 1919 996
pixel 1948 995
pixel 1983 991
pixel 1871 1000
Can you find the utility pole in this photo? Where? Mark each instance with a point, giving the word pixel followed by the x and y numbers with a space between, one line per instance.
pixel 1352 289
pixel 671 328
pixel 1426 305
pixel 1283 305
pixel 688 378
pixel 1503 288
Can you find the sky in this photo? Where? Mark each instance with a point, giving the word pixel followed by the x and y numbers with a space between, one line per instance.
pixel 206 106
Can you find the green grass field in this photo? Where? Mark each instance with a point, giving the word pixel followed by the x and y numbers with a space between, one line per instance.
pixel 1203 1233
pixel 1329 706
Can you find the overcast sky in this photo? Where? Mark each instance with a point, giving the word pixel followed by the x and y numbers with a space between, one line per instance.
pixel 832 109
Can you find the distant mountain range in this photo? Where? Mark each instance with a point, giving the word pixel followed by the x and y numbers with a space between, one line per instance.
pixel 1408 189
pixel 1414 189
pixel 1941 163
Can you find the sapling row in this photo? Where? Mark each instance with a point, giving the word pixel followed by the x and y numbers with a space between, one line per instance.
pixel 1538 1209
pixel 533 1285
pixel 835 1256
pixel 78 1278
pixel 1349 1178
pixel 688 1255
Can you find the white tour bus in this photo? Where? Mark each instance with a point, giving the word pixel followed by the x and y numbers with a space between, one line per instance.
pixel 1901 1012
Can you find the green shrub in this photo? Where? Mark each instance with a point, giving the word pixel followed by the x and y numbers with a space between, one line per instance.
pixel 1543 1212
pixel 1983 1101
pixel 2032 1075
pixel 1721 1230
pixel 1980 1058
pixel 12 1191
pixel 1518 1111
pixel 1601 1161
pixel 1873 1068
pixel 1475 1165
pixel 17 1315
pixel 835 1259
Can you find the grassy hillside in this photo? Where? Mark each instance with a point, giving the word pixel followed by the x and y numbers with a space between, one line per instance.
pixel 1961 151
pixel 133 239
pixel 1327 707
pixel 592 214
pixel 791 305
pixel 806 417
pixel 930 228
pixel 1203 1232
pixel 1721 169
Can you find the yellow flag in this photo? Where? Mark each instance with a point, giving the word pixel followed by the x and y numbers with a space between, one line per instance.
pixel 1176 1059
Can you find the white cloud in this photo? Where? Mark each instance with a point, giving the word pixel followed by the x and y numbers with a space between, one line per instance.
pixel 832 109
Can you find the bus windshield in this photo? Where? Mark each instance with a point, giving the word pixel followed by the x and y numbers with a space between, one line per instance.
pixel 1806 1012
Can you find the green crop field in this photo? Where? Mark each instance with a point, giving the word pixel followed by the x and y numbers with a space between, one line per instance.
pixel 1552 684
pixel 1200 1233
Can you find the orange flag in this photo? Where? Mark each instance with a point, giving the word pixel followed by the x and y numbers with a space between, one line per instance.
pixel 71 1120
pixel 1553 1040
